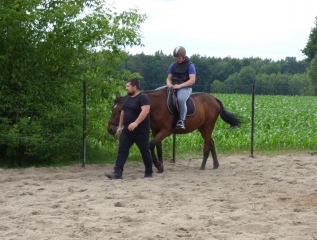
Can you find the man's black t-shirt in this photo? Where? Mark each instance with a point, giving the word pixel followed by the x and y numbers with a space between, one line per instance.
pixel 132 108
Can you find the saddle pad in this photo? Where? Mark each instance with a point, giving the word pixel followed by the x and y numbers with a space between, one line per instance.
pixel 191 108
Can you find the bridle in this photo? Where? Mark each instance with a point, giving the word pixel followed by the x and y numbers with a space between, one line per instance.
pixel 116 124
pixel 113 123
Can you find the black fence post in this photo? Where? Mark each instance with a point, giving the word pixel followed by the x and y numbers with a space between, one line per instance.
pixel 174 146
pixel 252 121
pixel 84 125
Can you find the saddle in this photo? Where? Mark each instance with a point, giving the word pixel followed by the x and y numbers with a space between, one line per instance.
pixel 172 103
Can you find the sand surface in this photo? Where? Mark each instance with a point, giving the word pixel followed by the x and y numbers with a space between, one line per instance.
pixel 265 197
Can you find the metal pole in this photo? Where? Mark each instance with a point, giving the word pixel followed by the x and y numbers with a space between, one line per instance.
pixel 84 125
pixel 252 121
pixel 174 146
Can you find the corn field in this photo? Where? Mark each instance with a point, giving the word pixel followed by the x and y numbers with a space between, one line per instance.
pixel 281 123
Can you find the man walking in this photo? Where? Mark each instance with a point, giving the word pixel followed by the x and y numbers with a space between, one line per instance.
pixel 134 127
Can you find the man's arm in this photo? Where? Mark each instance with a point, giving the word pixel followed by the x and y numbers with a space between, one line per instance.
pixel 145 109
pixel 119 129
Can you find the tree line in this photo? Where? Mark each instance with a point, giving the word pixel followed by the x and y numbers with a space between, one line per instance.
pixel 227 75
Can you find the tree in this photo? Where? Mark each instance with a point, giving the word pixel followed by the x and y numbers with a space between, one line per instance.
pixel 220 70
pixel 203 73
pixel 291 66
pixel 312 72
pixel 246 79
pixel 263 84
pixel 156 77
pixel 218 87
pixel 298 84
pixel 232 83
pixel 310 51
pixel 46 49
pixel 270 68
pixel 280 83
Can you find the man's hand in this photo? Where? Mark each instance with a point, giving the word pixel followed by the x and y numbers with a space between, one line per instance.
pixel 119 130
pixel 132 126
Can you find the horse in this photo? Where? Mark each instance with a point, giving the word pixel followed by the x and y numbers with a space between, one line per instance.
pixel 163 122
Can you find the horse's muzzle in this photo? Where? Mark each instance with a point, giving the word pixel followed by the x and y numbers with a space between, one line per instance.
pixel 112 127
pixel 112 130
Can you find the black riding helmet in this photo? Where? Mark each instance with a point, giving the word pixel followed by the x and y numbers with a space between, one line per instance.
pixel 179 51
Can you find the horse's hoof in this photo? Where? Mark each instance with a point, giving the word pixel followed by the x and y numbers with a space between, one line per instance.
pixel 202 168
pixel 216 166
pixel 160 169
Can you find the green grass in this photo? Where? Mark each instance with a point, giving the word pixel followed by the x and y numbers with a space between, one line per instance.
pixel 281 124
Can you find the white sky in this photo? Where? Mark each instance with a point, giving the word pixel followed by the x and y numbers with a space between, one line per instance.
pixel 272 29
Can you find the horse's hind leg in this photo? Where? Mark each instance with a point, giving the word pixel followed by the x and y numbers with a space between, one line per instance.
pixel 210 148
pixel 213 153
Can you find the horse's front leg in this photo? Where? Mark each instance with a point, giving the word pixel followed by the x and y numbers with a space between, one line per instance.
pixel 206 149
pixel 157 163
pixel 159 151
pixel 206 155
pixel 157 141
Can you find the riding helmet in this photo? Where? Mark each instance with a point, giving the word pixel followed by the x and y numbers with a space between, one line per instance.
pixel 179 51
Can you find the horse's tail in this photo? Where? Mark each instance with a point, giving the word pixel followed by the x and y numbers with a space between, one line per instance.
pixel 228 117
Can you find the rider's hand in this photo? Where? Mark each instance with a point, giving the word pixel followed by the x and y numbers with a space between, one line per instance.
pixel 177 86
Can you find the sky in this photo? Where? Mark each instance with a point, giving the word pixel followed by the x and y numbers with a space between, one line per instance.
pixel 272 29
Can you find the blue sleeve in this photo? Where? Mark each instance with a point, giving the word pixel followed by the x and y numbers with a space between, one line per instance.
pixel 170 71
pixel 191 69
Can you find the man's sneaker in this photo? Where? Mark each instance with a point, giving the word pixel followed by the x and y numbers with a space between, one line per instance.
pixel 180 124
pixel 117 174
pixel 148 173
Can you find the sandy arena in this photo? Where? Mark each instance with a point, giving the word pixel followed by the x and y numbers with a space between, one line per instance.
pixel 265 197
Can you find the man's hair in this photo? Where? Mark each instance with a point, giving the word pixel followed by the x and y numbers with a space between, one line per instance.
pixel 134 82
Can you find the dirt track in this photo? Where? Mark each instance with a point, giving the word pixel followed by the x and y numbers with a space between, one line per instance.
pixel 266 197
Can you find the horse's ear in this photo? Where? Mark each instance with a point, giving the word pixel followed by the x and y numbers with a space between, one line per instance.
pixel 118 95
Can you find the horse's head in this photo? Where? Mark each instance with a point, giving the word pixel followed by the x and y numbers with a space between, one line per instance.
pixel 113 123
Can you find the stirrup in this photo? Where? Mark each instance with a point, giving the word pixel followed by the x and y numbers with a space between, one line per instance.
pixel 180 124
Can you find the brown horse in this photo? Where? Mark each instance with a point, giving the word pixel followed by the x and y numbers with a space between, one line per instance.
pixel 163 122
